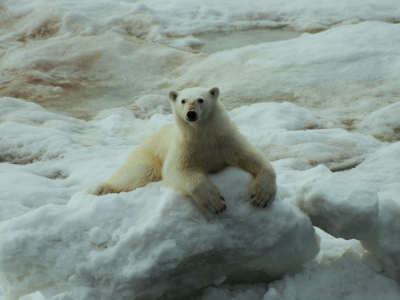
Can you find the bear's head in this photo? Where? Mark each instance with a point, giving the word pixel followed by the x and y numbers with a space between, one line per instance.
pixel 194 104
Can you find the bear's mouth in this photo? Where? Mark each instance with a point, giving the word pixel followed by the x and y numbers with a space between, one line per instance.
pixel 192 116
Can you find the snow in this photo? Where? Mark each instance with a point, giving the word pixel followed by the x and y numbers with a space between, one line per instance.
pixel 313 71
pixel 384 123
pixel 344 271
pixel 384 242
pixel 219 41
pixel 331 197
pixel 346 278
pixel 82 83
pixel 139 248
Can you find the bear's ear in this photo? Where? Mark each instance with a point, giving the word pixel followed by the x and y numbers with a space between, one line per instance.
pixel 214 92
pixel 172 95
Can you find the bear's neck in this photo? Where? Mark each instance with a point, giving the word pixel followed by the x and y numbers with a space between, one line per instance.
pixel 212 131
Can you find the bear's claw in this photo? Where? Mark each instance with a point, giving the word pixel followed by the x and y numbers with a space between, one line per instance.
pixel 262 193
pixel 101 189
pixel 217 206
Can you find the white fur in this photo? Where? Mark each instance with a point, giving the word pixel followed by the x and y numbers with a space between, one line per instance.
pixel 183 153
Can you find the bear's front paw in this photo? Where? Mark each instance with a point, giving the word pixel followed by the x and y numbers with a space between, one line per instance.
pixel 101 189
pixel 211 202
pixel 262 192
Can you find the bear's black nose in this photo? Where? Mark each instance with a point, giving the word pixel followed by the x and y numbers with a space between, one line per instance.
pixel 192 116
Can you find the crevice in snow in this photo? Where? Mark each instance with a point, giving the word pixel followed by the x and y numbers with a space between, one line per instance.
pixel 346 167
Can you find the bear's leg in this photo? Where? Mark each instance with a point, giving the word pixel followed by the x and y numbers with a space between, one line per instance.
pixel 196 185
pixel 138 171
pixel 263 188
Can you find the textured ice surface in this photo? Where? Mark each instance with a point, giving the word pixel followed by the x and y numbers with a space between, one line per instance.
pixel 344 73
pixel 82 57
pixel 384 242
pixel 346 278
pixel 151 243
pixel 114 61
pixel 219 41
pixel 340 205
pixel 74 242
pixel 384 123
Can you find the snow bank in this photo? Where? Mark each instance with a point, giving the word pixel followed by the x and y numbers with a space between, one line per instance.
pixel 150 242
pixel 345 271
pixel 56 239
pixel 67 244
pixel 343 73
pixel 107 71
pixel 384 123
pixel 160 20
pixel 87 59
pixel 184 17
pixel 285 130
pixel 340 205
pixel 113 53
pixel 346 279
pixel 384 242
pixel 383 169
pixel 57 156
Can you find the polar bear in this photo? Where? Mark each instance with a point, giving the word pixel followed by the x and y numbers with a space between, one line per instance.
pixel 202 140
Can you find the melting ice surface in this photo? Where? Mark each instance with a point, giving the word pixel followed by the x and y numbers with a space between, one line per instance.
pixel 324 107
pixel 219 41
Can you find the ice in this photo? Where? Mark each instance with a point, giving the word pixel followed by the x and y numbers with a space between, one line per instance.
pixel 107 71
pixel 381 171
pixel 95 243
pixel 129 246
pixel 384 124
pixel 340 205
pixel 56 168
pixel 57 53
pixel 340 73
pixel 346 278
pixel 183 17
pixel 33 296
pixel 384 242
pixel 219 41
pixel 42 149
pixel 288 131
pixel 345 271
pixel 371 261
pixel 237 292
pixel 328 122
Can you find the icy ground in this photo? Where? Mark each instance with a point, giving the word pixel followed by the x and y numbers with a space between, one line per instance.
pixel 82 83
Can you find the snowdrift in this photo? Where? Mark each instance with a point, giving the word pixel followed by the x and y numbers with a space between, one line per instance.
pixel 151 243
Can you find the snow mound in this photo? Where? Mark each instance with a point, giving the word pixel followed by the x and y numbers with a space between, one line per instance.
pixel 346 278
pixel 147 243
pixel 235 292
pixel 149 105
pixel 383 124
pixel 384 242
pixel 274 116
pixel 285 130
pixel 310 71
pixel 340 205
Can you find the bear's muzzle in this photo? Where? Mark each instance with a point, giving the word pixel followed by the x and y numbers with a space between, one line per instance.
pixel 192 116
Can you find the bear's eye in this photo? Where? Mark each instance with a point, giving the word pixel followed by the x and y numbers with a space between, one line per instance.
pixel 200 100
pixel 183 101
